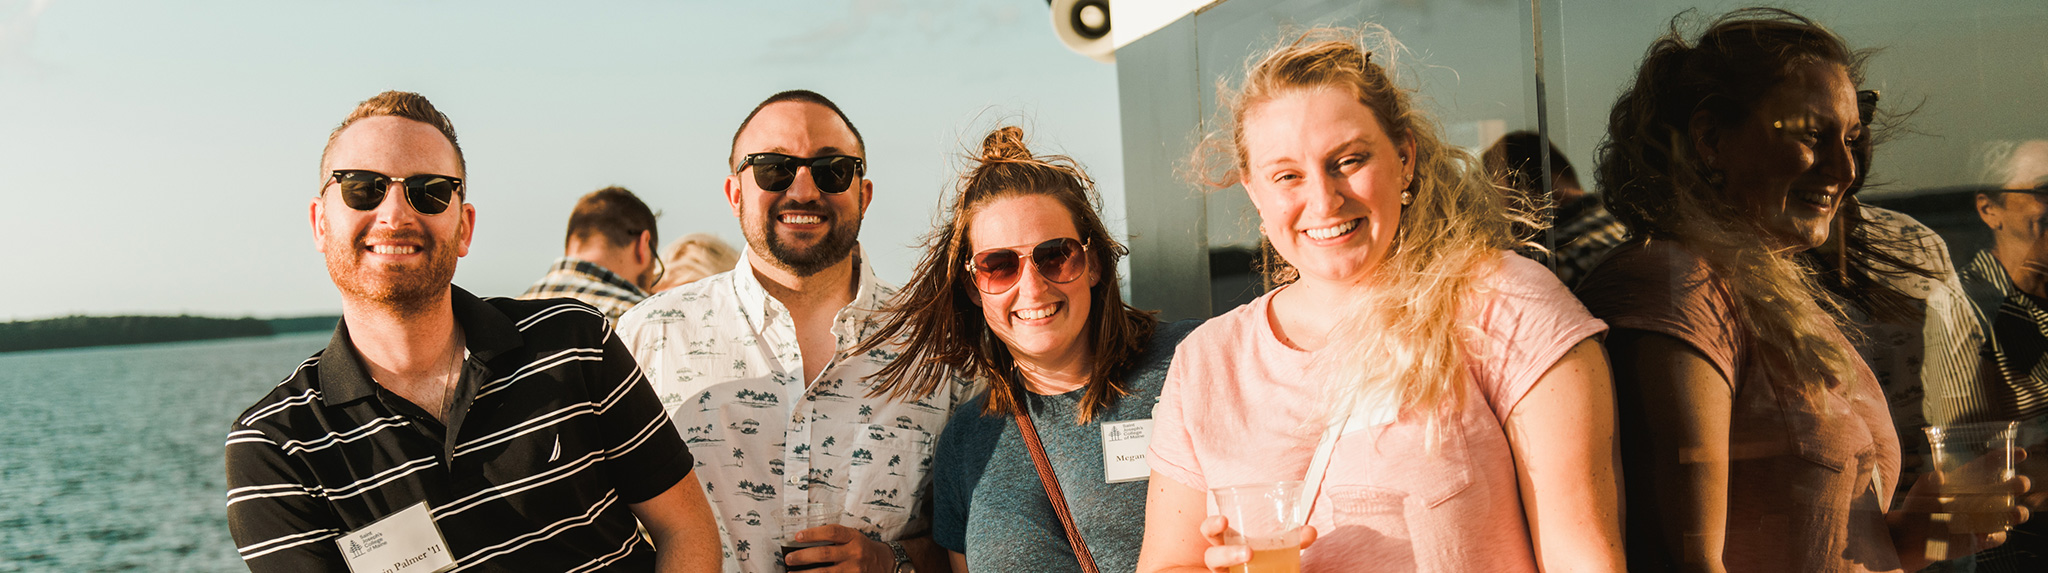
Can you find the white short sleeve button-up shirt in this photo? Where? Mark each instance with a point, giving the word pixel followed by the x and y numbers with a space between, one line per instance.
pixel 722 355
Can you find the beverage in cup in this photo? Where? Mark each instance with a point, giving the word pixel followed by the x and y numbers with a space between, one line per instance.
pixel 1974 461
pixel 1283 556
pixel 1267 518
pixel 799 517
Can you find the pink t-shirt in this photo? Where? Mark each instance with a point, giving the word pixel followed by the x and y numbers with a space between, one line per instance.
pixel 1235 398
pixel 1810 474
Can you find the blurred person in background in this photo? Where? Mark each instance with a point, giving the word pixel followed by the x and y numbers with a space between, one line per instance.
pixel 2009 283
pixel 1575 227
pixel 1753 437
pixel 1443 401
pixel 2010 279
pixel 1018 285
pixel 693 257
pixel 608 258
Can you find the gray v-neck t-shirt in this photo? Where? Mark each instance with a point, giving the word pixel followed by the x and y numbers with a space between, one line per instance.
pixel 990 505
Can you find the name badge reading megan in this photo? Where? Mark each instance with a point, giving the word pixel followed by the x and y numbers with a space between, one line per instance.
pixel 403 542
pixel 1123 451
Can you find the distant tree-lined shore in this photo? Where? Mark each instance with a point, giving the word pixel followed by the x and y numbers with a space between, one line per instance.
pixel 84 331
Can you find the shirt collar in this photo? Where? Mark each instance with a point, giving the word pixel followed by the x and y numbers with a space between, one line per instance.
pixel 1985 267
pixel 597 273
pixel 486 331
pixel 755 301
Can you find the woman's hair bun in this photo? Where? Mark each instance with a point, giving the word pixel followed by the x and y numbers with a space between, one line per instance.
pixel 1005 144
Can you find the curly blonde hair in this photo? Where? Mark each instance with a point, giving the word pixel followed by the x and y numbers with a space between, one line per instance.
pixel 1404 338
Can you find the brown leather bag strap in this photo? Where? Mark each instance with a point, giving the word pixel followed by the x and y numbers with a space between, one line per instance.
pixel 1052 489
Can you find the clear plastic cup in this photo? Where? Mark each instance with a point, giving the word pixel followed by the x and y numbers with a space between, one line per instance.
pixel 1267 518
pixel 801 516
pixel 1974 461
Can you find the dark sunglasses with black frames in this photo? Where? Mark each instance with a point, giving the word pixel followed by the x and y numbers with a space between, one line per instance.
pixel 1866 107
pixel 834 174
pixel 363 190
pixel 2040 189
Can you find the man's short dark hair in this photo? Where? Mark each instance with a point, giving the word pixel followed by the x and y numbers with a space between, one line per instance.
pixel 614 213
pixel 732 160
pixel 1517 161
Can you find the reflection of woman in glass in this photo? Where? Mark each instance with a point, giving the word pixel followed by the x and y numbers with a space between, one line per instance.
pixel 1908 316
pixel 1018 286
pixel 1754 438
pixel 1474 403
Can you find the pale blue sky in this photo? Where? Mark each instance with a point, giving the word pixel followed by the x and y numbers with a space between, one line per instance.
pixel 158 157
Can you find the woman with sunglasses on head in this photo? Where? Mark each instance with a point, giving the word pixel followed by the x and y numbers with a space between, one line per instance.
pixel 1018 287
pixel 1755 438
pixel 1442 401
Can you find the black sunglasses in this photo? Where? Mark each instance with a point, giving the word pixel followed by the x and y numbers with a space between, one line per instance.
pixel 1866 105
pixel 1059 260
pixel 429 194
pixel 2038 189
pixel 833 173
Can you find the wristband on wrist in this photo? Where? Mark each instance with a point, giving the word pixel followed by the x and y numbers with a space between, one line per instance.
pixel 902 557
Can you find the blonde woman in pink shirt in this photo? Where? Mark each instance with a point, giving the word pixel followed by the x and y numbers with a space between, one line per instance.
pixel 1474 400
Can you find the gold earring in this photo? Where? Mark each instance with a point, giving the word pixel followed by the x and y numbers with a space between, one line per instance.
pixel 1407 198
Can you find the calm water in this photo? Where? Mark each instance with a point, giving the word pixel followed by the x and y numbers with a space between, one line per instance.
pixel 110 458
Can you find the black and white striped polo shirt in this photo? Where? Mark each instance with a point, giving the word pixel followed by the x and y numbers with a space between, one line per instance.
pixel 554 431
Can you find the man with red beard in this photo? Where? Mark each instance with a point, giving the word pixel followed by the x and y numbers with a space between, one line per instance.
pixel 438 430
pixel 756 366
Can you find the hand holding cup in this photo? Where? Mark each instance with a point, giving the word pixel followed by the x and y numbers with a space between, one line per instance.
pixel 1966 504
pixel 1220 555
pixel 1260 528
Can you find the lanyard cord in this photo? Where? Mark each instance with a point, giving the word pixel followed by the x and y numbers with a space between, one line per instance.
pixel 1312 484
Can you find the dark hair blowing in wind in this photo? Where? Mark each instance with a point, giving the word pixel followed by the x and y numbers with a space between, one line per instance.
pixel 1654 181
pixel 940 325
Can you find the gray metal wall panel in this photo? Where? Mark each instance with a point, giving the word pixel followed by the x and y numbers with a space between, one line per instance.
pixel 1159 94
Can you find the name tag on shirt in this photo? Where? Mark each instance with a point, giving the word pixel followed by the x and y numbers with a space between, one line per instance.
pixel 1123 451
pixel 403 542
